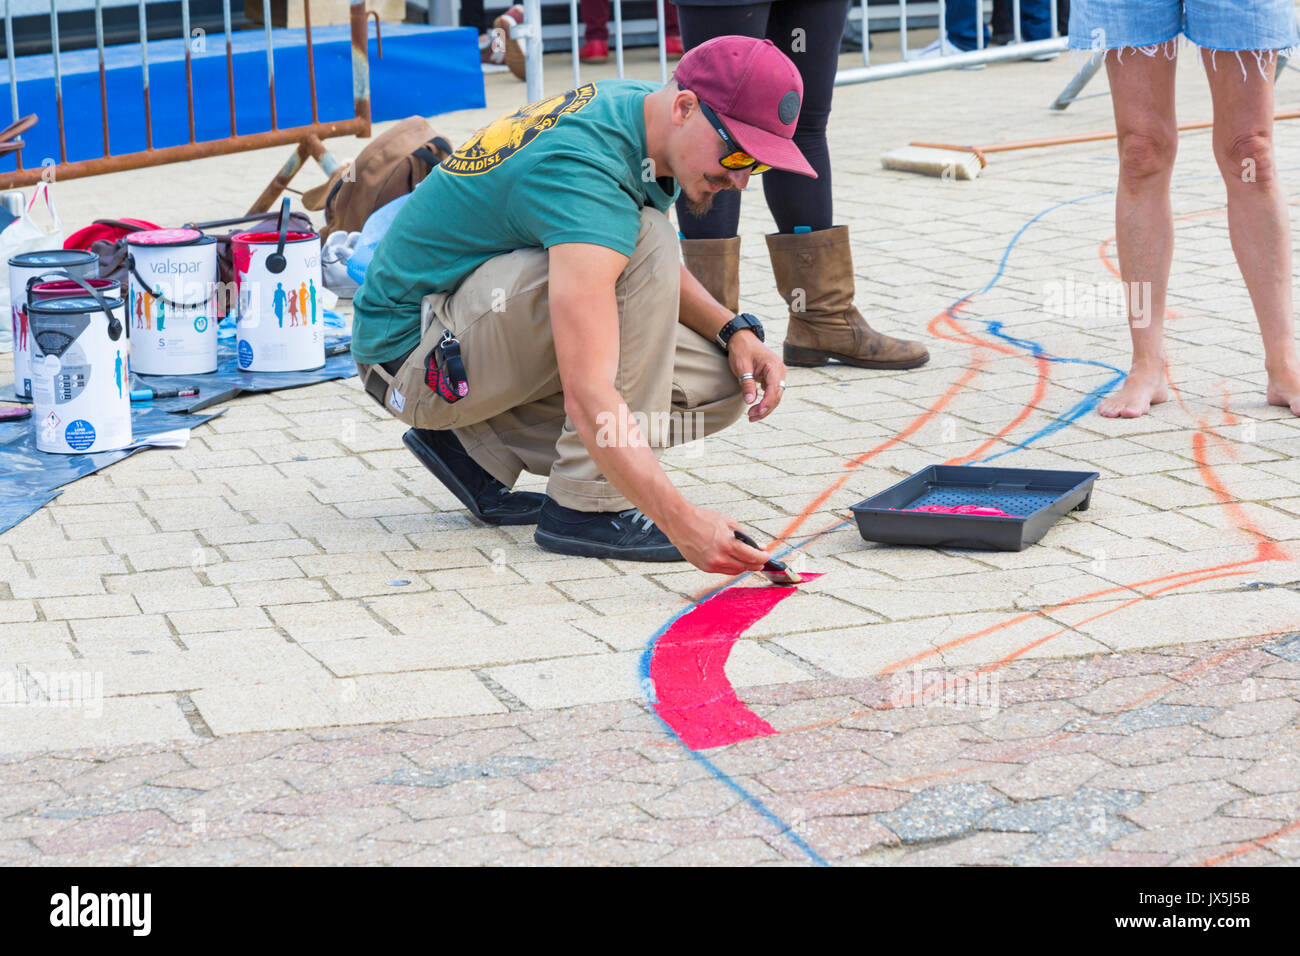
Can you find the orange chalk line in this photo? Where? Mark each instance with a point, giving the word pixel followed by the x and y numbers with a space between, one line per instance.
pixel 1073 138
pixel 1257 843
pixel 1266 550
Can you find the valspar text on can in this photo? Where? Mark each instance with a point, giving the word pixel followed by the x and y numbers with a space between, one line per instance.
pixel 281 325
pixel 171 301
pixel 81 380
pixel 57 264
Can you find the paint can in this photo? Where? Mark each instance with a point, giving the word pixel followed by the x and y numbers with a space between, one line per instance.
pixel 57 264
pixel 281 325
pixel 171 301
pixel 81 380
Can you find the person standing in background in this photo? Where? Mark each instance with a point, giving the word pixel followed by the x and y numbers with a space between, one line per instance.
pixel 595 19
pixel 811 258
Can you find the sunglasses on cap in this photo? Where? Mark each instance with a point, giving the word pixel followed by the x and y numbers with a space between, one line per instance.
pixel 737 158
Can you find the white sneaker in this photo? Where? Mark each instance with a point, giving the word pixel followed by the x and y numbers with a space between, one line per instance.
pixel 940 47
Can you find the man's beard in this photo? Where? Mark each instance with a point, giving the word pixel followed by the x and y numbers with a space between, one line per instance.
pixel 700 207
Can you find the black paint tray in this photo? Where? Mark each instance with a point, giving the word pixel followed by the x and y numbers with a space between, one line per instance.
pixel 1034 499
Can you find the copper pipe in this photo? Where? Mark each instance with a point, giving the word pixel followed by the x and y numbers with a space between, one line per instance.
pixel 176 154
pixel 311 60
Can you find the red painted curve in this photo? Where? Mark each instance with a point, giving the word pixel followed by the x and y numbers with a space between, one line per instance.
pixel 688 668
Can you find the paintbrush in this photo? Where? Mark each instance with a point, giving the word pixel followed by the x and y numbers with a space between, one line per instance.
pixel 775 571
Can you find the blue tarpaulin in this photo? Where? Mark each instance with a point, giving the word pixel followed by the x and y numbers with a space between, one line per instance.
pixel 29 479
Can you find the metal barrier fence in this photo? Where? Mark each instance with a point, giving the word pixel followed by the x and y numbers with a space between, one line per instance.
pixel 1018 49
pixel 307 137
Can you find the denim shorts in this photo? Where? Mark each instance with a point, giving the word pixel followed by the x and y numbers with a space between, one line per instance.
pixel 1210 24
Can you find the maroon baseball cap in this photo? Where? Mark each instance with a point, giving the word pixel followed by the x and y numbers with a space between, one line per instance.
pixel 756 92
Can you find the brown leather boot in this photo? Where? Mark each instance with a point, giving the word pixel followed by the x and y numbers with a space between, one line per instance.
pixel 817 268
pixel 716 263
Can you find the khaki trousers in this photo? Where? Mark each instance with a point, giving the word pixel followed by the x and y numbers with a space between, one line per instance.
pixel 676 383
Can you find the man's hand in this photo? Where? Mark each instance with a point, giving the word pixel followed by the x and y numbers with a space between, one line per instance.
pixel 706 540
pixel 746 354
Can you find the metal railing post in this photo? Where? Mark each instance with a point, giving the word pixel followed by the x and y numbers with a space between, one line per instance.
pixel 573 33
pixel 103 77
pixel 866 35
pixel 189 65
pixel 663 52
pixel 13 74
pixel 360 67
pixel 270 60
pixel 533 49
pixel 144 66
pixel 618 36
pixel 230 64
pixel 58 81
pixel 311 60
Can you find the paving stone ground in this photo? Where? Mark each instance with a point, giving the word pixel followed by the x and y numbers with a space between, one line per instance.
pixel 308 654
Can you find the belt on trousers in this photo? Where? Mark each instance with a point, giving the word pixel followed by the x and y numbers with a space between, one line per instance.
pixel 375 385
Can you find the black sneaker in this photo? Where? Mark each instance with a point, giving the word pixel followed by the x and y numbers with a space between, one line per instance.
pixel 626 535
pixel 486 498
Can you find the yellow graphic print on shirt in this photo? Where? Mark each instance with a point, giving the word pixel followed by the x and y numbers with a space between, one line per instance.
pixel 493 145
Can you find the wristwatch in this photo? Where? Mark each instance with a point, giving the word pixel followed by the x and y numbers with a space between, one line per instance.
pixel 742 321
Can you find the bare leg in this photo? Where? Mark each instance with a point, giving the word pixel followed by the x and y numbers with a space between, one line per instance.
pixel 1258 223
pixel 1142 91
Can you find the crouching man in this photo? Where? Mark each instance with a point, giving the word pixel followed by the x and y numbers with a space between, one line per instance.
pixel 528 306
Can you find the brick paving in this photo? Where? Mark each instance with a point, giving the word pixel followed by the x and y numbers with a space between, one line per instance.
pixel 308 654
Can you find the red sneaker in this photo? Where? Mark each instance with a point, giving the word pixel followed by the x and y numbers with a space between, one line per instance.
pixel 594 51
pixel 673 45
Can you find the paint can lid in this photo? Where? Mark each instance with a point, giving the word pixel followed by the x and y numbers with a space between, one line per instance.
pixel 273 237
pixel 62 288
pixel 72 305
pixel 46 258
pixel 164 237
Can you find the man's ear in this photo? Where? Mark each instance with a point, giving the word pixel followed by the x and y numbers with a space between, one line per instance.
pixel 685 103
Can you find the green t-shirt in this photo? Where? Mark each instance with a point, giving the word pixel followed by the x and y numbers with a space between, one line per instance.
pixel 569 168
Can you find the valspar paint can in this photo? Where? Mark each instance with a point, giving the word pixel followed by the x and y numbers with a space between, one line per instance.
pixel 81 380
pixel 281 325
pixel 171 301
pixel 57 264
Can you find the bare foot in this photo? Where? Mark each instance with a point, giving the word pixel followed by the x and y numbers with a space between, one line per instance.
pixel 1140 391
pixel 1284 389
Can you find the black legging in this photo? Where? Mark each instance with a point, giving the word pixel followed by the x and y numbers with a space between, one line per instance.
pixel 816 26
